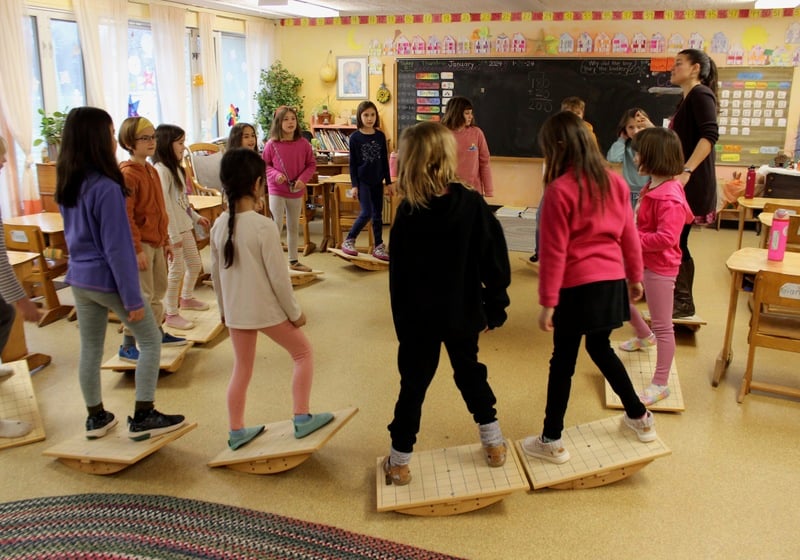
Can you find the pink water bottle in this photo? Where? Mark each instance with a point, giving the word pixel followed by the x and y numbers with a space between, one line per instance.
pixel 778 234
pixel 393 164
pixel 750 184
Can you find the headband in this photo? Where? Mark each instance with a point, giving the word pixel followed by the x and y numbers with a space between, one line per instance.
pixel 142 124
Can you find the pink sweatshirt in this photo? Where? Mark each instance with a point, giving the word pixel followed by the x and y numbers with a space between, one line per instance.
pixel 294 159
pixel 581 245
pixel 663 211
pixel 473 160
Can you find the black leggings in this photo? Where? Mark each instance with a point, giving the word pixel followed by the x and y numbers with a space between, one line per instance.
pixel 684 243
pixel 562 368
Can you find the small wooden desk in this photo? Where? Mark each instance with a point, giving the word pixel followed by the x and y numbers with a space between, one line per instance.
pixel 51 224
pixel 756 203
pixel 209 207
pixel 16 348
pixel 329 183
pixel 747 261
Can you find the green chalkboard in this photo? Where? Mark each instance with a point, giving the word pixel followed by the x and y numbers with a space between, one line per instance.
pixel 512 97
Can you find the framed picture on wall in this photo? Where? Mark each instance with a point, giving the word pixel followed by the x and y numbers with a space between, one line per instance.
pixel 353 72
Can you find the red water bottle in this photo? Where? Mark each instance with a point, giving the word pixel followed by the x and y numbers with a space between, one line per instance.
pixel 778 234
pixel 750 184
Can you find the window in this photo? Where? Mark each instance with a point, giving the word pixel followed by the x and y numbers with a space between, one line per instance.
pixel 142 73
pixel 233 77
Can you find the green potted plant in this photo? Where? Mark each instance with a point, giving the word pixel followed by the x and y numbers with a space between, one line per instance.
pixel 50 129
pixel 278 87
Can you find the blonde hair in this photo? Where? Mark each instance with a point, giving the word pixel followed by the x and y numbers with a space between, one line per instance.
pixel 426 162
pixel 3 146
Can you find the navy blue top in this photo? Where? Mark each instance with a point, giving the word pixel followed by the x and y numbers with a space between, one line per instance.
pixel 369 159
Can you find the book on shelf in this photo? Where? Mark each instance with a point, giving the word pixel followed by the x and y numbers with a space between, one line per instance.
pixel 332 140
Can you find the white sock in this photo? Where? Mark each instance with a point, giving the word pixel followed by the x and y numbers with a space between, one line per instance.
pixel 398 457
pixel 14 428
pixel 490 433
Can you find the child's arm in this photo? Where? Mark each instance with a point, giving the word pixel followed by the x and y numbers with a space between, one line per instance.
pixel 629 242
pixel 495 271
pixel 130 205
pixel 278 273
pixel 216 263
pixel 275 176
pixel 355 158
pixel 309 164
pixel 616 153
pixel 167 182
pixel 387 176
pixel 483 165
pixel 671 218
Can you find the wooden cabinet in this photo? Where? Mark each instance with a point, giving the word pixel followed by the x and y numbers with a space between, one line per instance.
pixel 46 177
pixel 332 137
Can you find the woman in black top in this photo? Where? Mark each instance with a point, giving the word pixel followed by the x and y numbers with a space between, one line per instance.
pixel 695 122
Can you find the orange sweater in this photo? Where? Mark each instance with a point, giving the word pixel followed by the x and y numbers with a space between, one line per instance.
pixel 147 213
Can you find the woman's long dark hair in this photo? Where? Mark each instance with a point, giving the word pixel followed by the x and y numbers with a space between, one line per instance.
pixel 708 69
pixel 166 134
pixel 87 144
pixel 239 171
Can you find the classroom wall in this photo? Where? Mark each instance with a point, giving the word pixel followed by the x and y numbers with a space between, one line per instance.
pixel 743 37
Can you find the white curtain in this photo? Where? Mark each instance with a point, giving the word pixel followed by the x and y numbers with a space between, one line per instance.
pixel 209 71
pixel 16 94
pixel 260 52
pixel 168 24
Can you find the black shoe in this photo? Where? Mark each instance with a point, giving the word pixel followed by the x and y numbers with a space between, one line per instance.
pixel 99 424
pixel 148 423
pixel 534 257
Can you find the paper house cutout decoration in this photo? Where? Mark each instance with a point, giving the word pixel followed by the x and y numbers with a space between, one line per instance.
pixel 696 41
pixel 402 46
pixel 566 43
pixel 638 43
pixel 374 48
pixel 619 44
pixel 502 43
pixel 676 43
pixel 719 43
pixel 735 56
pixel 388 47
pixel 463 46
pixel 796 57
pixel 418 45
pixel 779 57
pixel 602 43
pixel 657 43
pixel 482 46
pixel 449 45
pixel 519 44
pixel 434 46
pixel 793 34
pixel 756 56
pixel 585 43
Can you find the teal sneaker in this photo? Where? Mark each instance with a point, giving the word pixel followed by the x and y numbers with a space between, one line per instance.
pixel 302 429
pixel 235 442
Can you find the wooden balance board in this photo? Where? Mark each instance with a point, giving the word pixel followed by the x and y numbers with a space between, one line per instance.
pixel 113 452
pixel 300 278
pixel 363 260
pixel 449 481
pixel 18 402
pixel 532 265
pixel 171 359
pixel 207 324
pixel 602 452
pixel 693 322
pixel 277 450
pixel 640 366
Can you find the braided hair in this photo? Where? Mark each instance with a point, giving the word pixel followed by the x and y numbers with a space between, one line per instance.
pixel 240 172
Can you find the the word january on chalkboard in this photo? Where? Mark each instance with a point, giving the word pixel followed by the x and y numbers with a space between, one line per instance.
pixel 513 96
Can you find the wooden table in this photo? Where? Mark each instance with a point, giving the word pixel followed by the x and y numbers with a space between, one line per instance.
pixel 328 185
pixel 207 206
pixel 756 203
pixel 749 260
pixel 51 224
pixel 16 348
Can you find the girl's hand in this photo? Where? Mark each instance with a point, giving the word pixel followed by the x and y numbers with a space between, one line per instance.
pixel 281 179
pixel 205 222
pixel 177 245
pixel 141 261
pixel 643 121
pixel 28 310
pixel 389 189
pixel 683 178
pixel 299 186
pixel 135 316
pixel 546 318
pixel 168 254
pixel 354 193
pixel 635 291
pixel 300 321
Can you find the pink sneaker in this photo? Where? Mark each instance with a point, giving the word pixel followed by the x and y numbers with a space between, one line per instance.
pixel 193 304
pixel 178 322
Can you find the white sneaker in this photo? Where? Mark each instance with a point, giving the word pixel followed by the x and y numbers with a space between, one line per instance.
pixel 552 451
pixel 638 343
pixel 645 427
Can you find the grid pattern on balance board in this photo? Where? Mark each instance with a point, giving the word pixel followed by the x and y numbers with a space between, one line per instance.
pixel 640 366
pixel 18 402
pixel 448 474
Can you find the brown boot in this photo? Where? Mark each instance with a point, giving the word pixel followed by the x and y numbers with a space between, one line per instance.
pixel 495 455
pixel 683 301
pixel 399 475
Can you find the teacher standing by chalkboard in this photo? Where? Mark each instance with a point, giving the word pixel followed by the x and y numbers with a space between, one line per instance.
pixel 695 122
pixel 473 151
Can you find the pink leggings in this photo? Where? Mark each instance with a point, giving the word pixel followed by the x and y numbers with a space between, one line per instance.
pixel 659 290
pixel 244 341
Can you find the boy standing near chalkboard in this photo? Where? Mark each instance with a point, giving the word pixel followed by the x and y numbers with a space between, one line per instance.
pixel 573 105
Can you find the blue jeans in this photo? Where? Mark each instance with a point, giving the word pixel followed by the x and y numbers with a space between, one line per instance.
pixel 371 200
pixel 92 308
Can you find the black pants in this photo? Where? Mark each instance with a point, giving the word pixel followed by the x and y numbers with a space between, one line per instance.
pixel 7 314
pixel 562 368
pixel 417 360
pixel 684 243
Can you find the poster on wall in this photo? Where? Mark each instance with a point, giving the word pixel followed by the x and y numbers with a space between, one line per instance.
pixel 753 114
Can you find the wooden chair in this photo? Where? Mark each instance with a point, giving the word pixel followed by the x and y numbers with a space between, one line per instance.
pixel 50 264
pixel 775 324
pixel 345 211
pixel 203 163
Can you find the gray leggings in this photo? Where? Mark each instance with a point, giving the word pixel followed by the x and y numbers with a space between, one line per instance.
pixel 92 308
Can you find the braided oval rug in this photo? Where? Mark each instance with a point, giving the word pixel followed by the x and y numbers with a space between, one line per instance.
pixel 128 526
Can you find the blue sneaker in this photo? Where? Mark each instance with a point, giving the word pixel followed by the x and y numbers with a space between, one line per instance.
pixel 170 340
pixel 128 354
pixel 302 429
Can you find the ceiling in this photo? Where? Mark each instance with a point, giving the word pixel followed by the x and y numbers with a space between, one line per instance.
pixel 386 7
